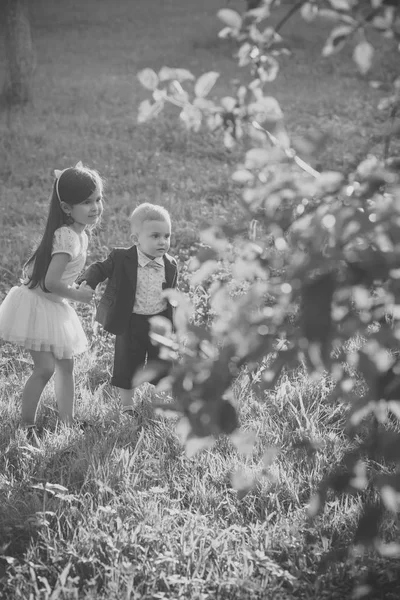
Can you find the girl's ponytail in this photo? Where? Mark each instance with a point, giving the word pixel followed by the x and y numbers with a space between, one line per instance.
pixel 42 256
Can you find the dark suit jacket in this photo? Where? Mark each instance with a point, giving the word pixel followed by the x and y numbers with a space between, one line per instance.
pixel 120 268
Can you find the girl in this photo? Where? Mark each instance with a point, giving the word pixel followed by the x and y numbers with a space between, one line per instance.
pixel 37 315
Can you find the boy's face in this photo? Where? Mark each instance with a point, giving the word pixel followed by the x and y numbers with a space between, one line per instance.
pixel 154 238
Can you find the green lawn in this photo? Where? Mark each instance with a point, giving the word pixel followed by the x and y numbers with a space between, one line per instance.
pixel 139 518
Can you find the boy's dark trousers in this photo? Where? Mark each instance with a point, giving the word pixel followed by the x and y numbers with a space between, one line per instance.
pixel 132 348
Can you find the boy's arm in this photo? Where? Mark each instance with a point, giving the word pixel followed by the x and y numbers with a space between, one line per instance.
pixel 98 272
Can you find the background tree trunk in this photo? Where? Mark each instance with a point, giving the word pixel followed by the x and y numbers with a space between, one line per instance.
pixel 19 53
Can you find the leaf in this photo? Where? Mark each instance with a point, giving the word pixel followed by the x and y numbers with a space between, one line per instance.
pixel 257 158
pixel 309 11
pixel 360 408
pixel 387 103
pixel 205 105
pixel 192 117
pixel 53 488
pixel 243 176
pixel 243 482
pixel 183 429
pixel 205 83
pixel 394 407
pixel 390 498
pixel 282 136
pixel 230 18
pixel 148 78
pixel 228 103
pixel 317 503
pixel 226 32
pixel 166 73
pixel 213 121
pixel 160 325
pixel 329 181
pixel 336 40
pixel 183 75
pixel 148 111
pixel 375 84
pixel 243 54
pixel 382 22
pixel 363 55
pixel 259 13
pixel 390 550
pixel 268 70
pixel 266 108
pixel 207 269
pixel 244 441
pixel 169 411
pixel 328 13
pixel 168 350
pixel 340 4
pixel 229 140
pixel 152 371
pixel 194 444
pixel 359 481
pixel 367 166
pixel 270 455
pixel 178 93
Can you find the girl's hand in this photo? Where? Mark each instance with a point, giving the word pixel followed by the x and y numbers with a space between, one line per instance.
pixel 53 283
pixel 84 293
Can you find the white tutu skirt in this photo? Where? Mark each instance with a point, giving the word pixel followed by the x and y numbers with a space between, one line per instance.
pixel 43 322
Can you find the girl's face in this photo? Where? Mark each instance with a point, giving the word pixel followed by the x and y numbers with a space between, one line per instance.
pixel 154 238
pixel 89 211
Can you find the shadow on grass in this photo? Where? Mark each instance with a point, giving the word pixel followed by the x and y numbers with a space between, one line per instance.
pixel 45 489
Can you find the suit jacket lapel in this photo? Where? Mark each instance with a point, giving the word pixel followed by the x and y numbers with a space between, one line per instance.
pixel 131 266
pixel 170 271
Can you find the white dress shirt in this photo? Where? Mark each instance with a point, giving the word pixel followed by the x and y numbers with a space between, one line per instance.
pixel 149 286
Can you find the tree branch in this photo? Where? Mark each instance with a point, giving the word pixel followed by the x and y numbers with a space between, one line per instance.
pixel 291 12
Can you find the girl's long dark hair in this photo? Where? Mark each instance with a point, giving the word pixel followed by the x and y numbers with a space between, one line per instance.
pixel 75 185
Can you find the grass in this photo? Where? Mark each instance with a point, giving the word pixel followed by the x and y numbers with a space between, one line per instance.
pixel 134 516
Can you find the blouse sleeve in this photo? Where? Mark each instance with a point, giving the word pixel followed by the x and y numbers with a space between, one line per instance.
pixel 64 241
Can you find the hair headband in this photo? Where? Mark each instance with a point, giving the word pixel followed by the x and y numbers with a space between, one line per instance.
pixel 57 175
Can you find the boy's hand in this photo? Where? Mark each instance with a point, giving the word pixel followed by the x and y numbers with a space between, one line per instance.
pixel 85 293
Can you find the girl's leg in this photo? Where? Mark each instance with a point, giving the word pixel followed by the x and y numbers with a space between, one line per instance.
pixel 64 383
pixel 43 369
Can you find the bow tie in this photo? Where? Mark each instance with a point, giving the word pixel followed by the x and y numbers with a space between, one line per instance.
pixel 154 265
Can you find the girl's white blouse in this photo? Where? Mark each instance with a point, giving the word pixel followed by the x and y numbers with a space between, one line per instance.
pixel 67 241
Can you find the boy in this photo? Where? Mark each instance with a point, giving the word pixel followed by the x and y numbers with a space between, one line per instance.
pixel 136 277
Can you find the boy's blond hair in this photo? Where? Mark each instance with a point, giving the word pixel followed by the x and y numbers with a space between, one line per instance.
pixel 148 212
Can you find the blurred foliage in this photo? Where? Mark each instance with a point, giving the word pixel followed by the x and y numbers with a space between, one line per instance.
pixel 315 266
